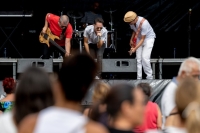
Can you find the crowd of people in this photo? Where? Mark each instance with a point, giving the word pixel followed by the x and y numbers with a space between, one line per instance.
pixel 51 103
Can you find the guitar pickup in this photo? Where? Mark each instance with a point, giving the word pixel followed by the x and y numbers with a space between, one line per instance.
pixel 45 36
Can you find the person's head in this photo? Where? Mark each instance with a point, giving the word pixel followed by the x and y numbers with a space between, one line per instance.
pixel 63 21
pixel 187 100
pixel 100 91
pixel 130 17
pixel 75 77
pixel 9 85
pixel 124 101
pixel 95 6
pixel 146 88
pixel 98 24
pixel 33 93
pixel 190 67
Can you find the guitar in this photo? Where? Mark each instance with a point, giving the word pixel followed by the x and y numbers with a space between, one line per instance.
pixel 133 46
pixel 49 38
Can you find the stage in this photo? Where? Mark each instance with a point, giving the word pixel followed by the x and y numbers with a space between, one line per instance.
pixel 58 62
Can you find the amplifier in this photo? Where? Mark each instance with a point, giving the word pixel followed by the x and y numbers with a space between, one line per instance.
pixel 46 64
pixel 119 65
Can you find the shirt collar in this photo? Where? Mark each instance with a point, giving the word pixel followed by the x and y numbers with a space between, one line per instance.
pixel 175 80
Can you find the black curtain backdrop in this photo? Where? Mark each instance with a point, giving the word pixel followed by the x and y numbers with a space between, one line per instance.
pixel 169 19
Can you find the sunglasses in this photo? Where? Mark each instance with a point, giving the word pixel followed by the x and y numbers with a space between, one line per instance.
pixel 99 28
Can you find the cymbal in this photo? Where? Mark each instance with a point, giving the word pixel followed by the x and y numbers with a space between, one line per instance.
pixel 75 14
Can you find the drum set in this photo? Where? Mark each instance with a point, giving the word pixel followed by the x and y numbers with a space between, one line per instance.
pixel 78 34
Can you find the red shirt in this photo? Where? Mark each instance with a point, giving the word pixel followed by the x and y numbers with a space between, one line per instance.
pixel 150 119
pixel 56 30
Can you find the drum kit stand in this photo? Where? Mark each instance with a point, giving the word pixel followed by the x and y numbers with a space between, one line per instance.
pixel 112 31
pixel 78 33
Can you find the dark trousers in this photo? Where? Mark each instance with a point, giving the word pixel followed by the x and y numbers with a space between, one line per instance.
pixel 51 51
pixel 97 53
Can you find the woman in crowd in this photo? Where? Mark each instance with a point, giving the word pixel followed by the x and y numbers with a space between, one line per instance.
pixel 188 105
pixel 6 103
pixel 98 111
pixel 153 116
pixel 125 107
pixel 33 93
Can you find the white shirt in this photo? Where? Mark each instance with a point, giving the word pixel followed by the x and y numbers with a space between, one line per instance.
pixel 2 97
pixel 60 120
pixel 168 99
pixel 6 123
pixel 175 130
pixel 146 29
pixel 91 35
pixel 169 130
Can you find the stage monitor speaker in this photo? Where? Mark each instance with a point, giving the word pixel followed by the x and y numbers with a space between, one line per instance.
pixel 46 64
pixel 119 65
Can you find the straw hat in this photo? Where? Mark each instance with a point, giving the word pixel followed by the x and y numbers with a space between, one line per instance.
pixel 129 16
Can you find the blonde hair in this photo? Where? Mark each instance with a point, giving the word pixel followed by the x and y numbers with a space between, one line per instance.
pixel 100 92
pixel 188 104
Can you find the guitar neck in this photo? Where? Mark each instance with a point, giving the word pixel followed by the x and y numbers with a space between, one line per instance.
pixel 57 46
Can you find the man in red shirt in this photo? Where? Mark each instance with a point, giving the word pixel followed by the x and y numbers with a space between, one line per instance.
pixel 59 26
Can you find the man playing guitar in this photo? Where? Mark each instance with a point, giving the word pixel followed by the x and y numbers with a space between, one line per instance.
pixel 141 42
pixel 60 27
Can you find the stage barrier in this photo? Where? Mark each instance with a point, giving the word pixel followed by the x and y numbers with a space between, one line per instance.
pixel 158 87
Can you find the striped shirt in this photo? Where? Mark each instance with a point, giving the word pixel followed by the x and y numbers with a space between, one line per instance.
pixel 91 35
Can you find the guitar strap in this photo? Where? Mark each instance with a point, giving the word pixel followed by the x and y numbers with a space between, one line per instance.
pixel 137 32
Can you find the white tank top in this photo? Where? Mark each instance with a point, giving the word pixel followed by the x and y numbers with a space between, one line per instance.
pixel 60 120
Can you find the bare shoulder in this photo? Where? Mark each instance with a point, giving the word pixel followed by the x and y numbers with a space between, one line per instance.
pixel 94 127
pixel 27 125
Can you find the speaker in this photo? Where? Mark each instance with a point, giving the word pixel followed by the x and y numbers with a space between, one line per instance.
pixel 46 64
pixel 119 65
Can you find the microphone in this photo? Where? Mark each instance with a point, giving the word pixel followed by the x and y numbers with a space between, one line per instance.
pixel 98 38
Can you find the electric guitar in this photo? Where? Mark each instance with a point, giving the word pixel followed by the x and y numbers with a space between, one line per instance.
pixel 133 46
pixel 49 38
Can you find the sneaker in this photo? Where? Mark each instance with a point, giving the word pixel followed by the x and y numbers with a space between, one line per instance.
pixel 60 57
pixel 149 77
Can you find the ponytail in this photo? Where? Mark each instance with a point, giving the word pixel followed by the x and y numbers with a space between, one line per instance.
pixel 94 112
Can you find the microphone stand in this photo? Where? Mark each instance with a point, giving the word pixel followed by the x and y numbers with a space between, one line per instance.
pixel 189 32
pixel 112 31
